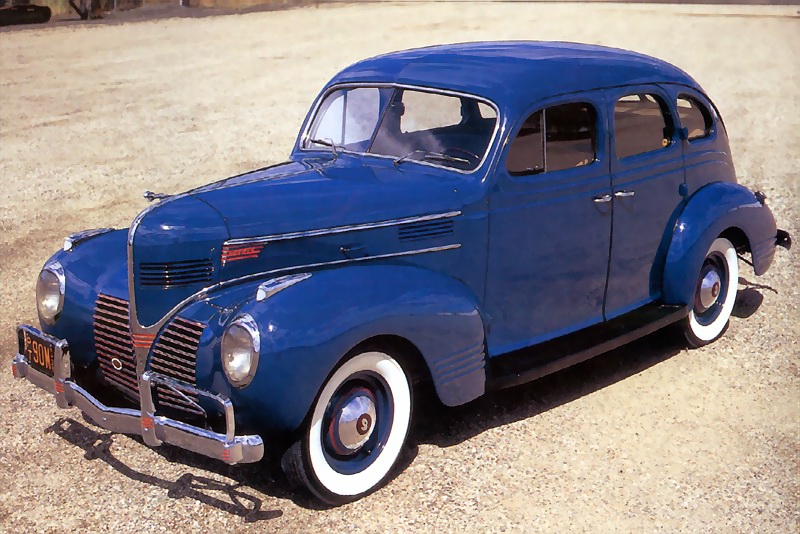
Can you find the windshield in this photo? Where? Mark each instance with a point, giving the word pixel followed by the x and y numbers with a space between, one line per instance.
pixel 406 124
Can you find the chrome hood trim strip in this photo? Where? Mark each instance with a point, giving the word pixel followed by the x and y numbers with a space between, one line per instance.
pixel 339 229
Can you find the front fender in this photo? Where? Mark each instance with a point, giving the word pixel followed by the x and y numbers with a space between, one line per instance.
pixel 308 327
pixel 712 210
pixel 97 265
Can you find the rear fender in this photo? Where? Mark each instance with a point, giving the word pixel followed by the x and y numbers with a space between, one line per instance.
pixel 712 210
pixel 307 328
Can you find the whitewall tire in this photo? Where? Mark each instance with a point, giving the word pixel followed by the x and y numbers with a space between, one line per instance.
pixel 715 294
pixel 356 430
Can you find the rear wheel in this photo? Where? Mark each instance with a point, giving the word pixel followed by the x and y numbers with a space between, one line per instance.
pixel 356 431
pixel 715 294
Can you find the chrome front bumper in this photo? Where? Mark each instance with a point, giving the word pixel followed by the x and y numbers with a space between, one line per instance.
pixel 154 429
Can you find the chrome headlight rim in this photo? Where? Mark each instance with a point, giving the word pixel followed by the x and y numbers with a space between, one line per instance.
pixel 56 269
pixel 248 325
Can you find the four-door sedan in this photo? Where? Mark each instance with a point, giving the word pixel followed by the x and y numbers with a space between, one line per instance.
pixel 474 215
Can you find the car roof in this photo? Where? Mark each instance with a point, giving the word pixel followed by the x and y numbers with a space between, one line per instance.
pixel 515 74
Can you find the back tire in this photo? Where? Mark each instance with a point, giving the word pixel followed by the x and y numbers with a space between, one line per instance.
pixel 356 431
pixel 715 294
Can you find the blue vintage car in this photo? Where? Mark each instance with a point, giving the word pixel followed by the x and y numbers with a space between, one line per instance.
pixel 475 215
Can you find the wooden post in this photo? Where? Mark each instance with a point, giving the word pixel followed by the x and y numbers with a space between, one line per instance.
pixel 84 15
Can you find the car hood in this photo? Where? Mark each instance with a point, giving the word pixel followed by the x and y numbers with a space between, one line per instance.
pixel 294 196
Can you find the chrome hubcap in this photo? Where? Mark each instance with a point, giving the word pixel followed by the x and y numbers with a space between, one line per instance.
pixel 353 421
pixel 710 287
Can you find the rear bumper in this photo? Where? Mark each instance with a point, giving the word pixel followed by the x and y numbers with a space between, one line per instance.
pixel 783 239
pixel 154 429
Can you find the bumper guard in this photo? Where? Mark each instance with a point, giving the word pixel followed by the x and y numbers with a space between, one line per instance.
pixel 154 429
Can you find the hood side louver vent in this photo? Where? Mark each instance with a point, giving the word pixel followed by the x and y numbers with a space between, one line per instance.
pixel 113 344
pixel 176 273
pixel 425 230
pixel 174 356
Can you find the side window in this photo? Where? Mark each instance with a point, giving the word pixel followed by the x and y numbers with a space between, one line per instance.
pixel 571 136
pixel 570 140
pixel 695 117
pixel 641 124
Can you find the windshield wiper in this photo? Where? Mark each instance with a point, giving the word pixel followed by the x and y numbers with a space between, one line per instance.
pixel 438 156
pixel 328 143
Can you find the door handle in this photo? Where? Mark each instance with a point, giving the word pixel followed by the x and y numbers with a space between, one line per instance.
pixel 602 198
pixel 624 193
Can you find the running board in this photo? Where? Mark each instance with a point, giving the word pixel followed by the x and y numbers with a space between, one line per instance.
pixel 524 365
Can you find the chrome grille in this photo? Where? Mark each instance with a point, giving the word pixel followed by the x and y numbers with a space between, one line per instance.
pixel 176 273
pixel 113 345
pixel 425 230
pixel 174 356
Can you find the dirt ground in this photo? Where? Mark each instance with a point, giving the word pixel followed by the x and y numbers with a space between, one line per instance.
pixel 651 437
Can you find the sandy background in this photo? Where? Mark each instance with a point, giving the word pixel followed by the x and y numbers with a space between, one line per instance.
pixel 648 438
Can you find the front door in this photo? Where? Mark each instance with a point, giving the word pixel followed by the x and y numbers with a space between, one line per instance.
pixel 550 226
pixel 647 174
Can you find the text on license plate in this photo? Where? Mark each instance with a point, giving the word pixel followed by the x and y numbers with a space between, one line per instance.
pixel 39 352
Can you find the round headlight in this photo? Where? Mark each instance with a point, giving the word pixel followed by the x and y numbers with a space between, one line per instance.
pixel 241 344
pixel 50 292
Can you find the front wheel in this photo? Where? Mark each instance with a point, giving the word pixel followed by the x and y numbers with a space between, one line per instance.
pixel 356 431
pixel 715 294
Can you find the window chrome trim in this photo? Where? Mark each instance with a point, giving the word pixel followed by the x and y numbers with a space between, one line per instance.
pixel 258 240
pixel 305 136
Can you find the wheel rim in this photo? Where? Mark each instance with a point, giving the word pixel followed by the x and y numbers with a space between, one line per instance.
pixel 357 423
pixel 712 289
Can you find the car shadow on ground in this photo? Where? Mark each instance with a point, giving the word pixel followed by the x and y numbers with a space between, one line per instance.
pixel 434 424
pixel 236 497
pixel 445 427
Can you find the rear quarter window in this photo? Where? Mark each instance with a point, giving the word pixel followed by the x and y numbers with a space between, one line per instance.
pixel 695 117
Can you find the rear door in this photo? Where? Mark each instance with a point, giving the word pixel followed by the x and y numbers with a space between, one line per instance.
pixel 646 176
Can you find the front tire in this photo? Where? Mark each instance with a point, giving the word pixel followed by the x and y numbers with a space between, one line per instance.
pixel 356 431
pixel 715 294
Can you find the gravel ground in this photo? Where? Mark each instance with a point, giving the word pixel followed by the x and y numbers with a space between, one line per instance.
pixel 651 437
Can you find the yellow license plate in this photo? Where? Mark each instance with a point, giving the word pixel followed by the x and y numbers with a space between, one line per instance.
pixel 39 352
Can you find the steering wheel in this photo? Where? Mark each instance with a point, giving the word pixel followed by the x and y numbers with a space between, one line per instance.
pixel 471 156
